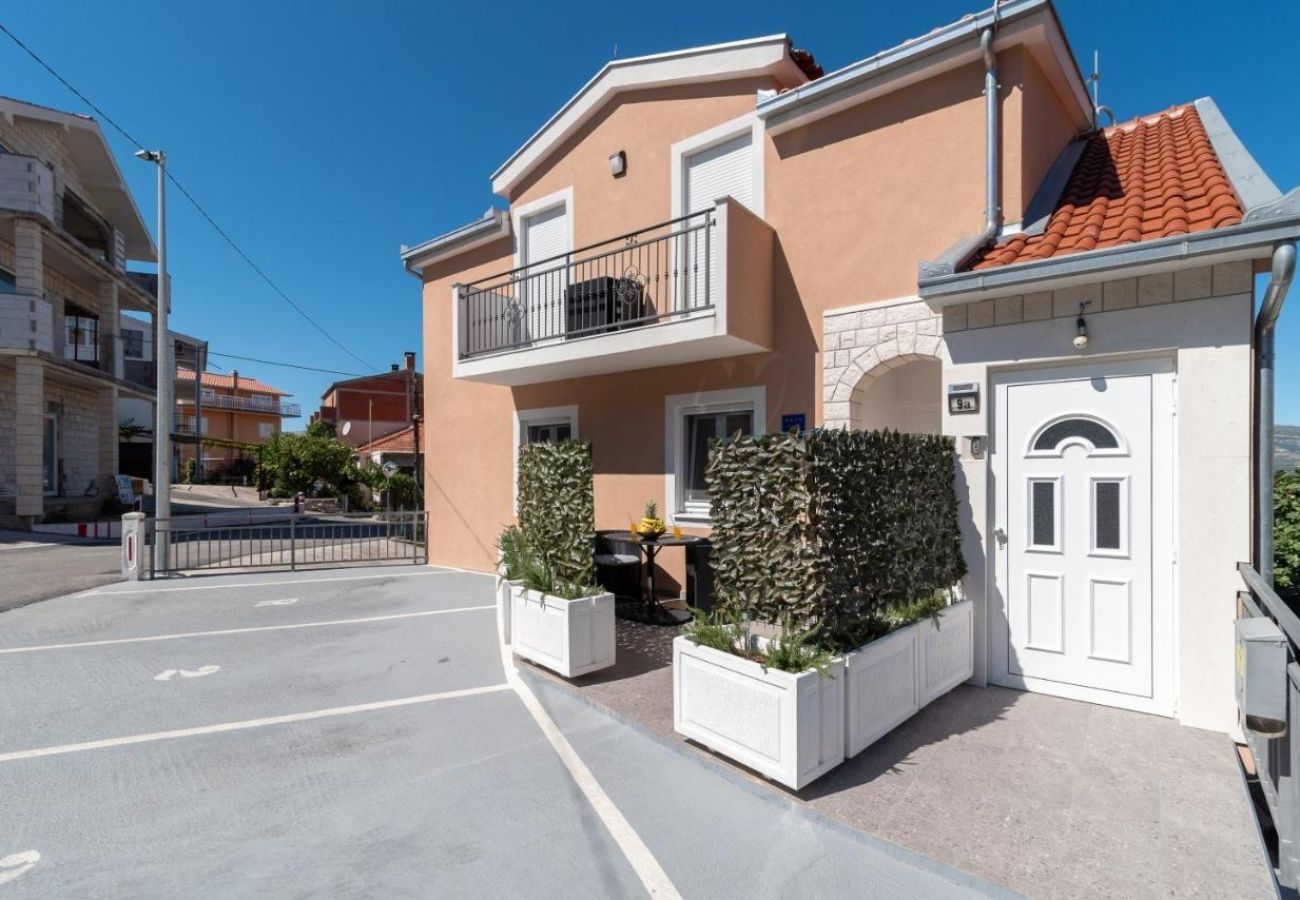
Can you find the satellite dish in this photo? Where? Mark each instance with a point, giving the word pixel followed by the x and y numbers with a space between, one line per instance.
pixel 347 426
pixel 390 468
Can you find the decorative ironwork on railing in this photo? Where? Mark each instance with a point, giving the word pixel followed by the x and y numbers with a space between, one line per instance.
pixel 655 274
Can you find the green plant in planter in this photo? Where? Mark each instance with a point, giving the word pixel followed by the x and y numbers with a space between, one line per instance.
pixel 722 629
pixel 798 653
pixel 515 555
pixel 557 509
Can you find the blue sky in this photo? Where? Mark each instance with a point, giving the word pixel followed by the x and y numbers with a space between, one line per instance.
pixel 323 141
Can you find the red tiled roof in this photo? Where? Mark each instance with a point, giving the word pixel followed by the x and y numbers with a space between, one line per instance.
pixel 1154 177
pixel 400 441
pixel 213 380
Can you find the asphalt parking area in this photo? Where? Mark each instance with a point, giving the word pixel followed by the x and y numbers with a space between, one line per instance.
pixel 359 733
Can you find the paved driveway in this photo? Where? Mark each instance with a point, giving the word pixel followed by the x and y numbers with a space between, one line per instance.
pixel 357 734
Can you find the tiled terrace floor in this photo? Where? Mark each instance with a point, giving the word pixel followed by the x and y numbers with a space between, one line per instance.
pixel 1049 797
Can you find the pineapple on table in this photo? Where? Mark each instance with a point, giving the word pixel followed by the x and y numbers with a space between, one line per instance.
pixel 651 525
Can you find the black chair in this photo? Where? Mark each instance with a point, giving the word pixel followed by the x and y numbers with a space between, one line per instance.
pixel 618 567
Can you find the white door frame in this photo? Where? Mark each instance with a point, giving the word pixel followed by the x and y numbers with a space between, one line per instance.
pixel 1164 525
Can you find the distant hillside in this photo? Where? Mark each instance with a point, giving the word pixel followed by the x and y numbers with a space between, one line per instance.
pixel 1286 448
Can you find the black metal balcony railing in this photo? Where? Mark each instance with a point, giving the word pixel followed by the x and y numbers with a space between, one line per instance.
pixel 646 276
pixel 140 371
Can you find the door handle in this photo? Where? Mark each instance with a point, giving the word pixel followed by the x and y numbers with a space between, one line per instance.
pixel 1001 536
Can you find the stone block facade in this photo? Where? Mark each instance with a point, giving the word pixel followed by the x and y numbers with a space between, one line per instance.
pixel 860 343
pixel 1223 280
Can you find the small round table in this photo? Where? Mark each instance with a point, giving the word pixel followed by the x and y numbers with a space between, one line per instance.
pixel 654 613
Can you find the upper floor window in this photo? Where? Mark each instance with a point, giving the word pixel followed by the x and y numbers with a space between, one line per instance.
pixel 8 284
pixel 133 345
pixel 81 336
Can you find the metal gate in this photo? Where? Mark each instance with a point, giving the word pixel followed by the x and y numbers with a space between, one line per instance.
pixel 289 541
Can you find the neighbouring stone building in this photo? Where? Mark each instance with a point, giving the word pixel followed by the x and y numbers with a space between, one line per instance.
pixel 68 226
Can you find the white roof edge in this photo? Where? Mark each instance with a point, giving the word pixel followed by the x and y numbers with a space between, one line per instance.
pixel 859 81
pixel 738 58
pixel 145 251
pixel 494 224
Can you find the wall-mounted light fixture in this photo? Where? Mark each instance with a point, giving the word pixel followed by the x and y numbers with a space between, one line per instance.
pixel 618 164
pixel 1081 328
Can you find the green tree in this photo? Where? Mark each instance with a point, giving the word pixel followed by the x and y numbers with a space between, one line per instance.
pixel 296 462
pixel 1286 535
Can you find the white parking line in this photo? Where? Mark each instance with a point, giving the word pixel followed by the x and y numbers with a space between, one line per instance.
pixel 250 630
pixel 286 601
pixel 16 865
pixel 653 877
pixel 247 724
pixel 325 578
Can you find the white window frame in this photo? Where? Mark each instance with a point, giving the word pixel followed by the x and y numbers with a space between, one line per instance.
pixel 720 134
pixel 562 197
pixel 676 408
pixel 542 415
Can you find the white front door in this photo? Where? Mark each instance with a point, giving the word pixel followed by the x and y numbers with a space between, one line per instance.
pixel 1083 517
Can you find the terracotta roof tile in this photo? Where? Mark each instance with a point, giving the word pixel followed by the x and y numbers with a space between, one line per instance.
pixel 400 441
pixel 1154 177
pixel 214 380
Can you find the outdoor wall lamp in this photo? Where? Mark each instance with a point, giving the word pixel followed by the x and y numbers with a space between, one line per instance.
pixel 1081 328
pixel 618 164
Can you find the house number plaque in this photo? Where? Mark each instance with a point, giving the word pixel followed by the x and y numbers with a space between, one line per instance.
pixel 963 398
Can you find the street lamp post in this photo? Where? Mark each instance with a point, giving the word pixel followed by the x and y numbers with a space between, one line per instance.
pixel 162 427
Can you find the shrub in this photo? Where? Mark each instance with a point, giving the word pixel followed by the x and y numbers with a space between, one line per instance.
pixel 1286 535
pixel 830 535
pixel 557 511
pixel 401 491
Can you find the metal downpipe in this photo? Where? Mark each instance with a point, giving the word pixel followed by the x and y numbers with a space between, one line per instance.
pixel 1284 259
pixel 992 144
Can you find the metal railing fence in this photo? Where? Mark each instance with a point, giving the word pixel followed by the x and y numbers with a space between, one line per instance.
pixel 1277 758
pixel 645 276
pixel 285 541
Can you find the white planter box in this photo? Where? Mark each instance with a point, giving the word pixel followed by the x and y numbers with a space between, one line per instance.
pixel 890 679
pixel 947 652
pixel 571 637
pixel 787 727
pixel 880 688
pixel 505 593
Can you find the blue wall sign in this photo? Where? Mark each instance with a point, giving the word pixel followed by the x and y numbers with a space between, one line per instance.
pixel 793 421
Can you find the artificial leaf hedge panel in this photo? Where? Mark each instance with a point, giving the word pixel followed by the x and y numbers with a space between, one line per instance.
pixel 556 507
pixel 824 532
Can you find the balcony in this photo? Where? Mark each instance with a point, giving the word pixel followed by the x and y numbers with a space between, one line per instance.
pixel 26 186
pixel 272 406
pixel 695 288
pixel 26 323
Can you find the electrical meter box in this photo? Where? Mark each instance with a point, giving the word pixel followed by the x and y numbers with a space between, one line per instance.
pixel 1261 676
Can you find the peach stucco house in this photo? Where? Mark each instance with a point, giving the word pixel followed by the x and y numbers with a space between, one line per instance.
pixel 726 238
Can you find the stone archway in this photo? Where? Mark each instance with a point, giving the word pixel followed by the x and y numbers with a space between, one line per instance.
pixel 861 346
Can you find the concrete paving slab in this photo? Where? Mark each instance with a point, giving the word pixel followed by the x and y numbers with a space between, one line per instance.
pixel 202 605
pixel 79 694
pixel 719 835
pixel 460 798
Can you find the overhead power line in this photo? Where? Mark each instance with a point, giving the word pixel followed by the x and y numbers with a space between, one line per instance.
pixel 188 196
pixel 285 365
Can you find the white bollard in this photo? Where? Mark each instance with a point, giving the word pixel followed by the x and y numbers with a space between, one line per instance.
pixel 132 545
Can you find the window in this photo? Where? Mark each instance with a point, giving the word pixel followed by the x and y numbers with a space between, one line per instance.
pixel 556 431
pixel 1076 428
pixel 203 425
pixel 8 284
pixel 700 429
pixel 133 344
pixel 690 422
pixel 81 337
pixel 50 457
pixel 1109 516
pixel 265 430
pixel 1044 514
